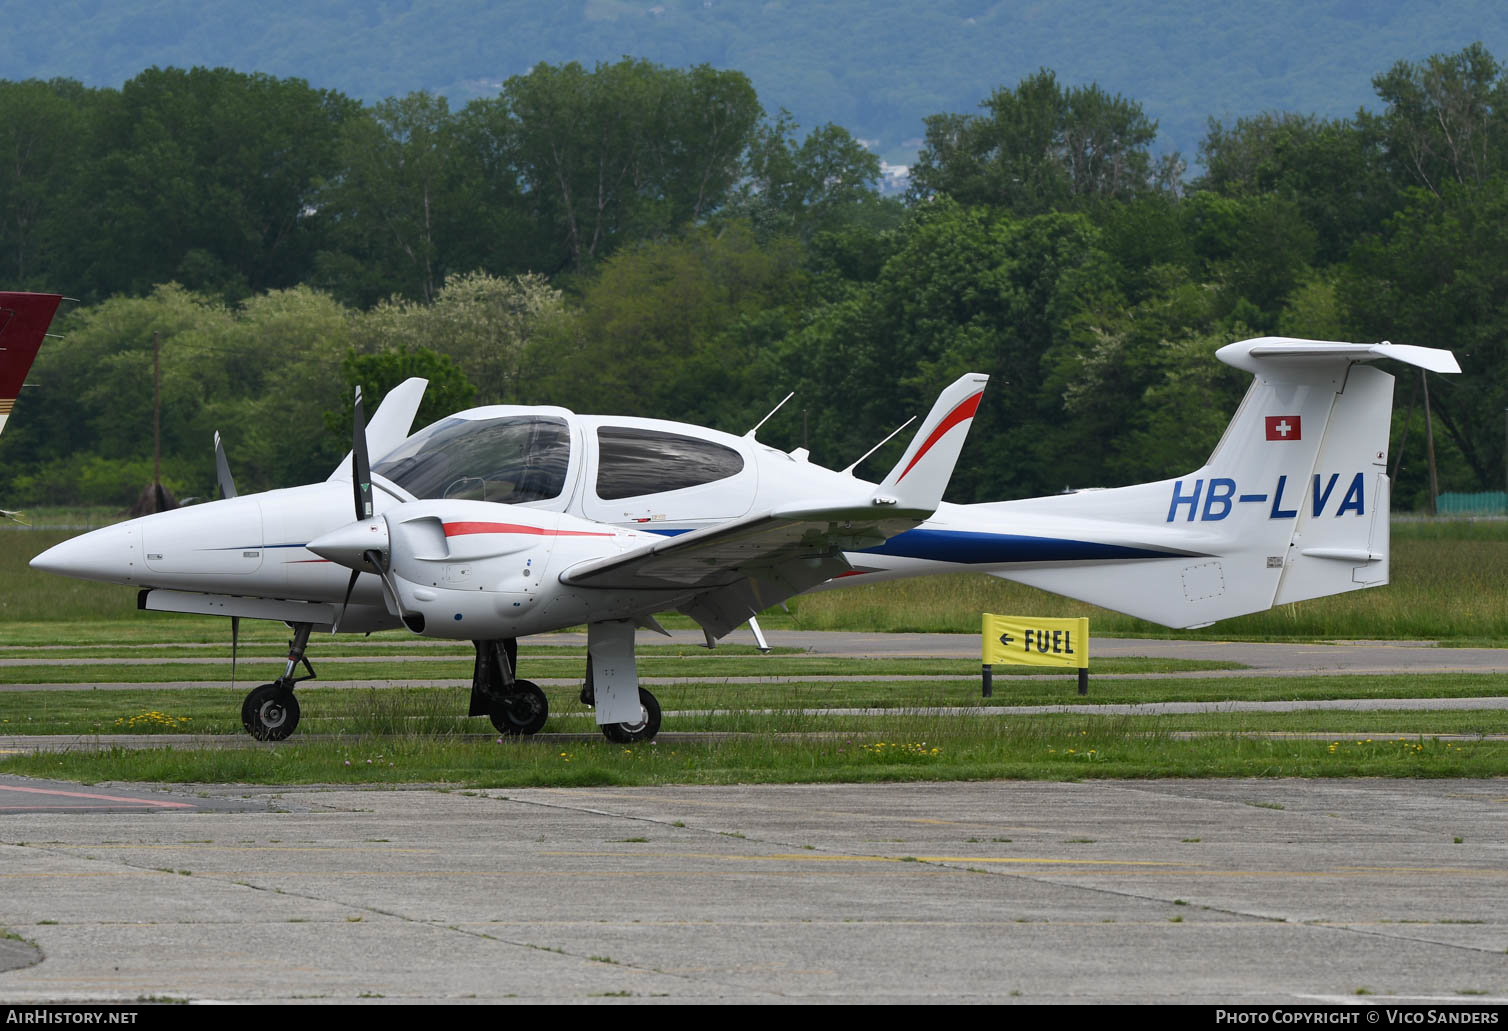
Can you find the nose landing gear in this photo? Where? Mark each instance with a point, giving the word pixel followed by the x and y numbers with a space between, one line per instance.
pixel 270 712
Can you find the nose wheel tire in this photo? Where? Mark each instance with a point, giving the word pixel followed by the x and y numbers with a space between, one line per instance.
pixel 644 729
pixel 270 713
pixel 522 711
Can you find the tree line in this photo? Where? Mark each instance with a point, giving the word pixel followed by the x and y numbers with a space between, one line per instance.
pixel 642 240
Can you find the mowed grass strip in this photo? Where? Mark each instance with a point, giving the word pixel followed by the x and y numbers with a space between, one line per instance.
pixel 900 748
pixel 690 706
pixel 259 670
pixel 415 649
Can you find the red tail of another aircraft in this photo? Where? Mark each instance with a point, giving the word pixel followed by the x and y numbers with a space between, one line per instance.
pixel 24 319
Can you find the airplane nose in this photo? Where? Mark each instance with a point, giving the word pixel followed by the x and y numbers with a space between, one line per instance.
pixel 112 554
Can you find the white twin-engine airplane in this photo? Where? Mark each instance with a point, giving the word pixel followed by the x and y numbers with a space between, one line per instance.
pixel 505 521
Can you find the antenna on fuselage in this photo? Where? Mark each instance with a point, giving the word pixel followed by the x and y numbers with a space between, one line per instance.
pixel 766 419
pixel 850 469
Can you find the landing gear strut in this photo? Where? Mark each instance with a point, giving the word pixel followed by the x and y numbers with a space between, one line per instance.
pixel 514 706
pixel 270 712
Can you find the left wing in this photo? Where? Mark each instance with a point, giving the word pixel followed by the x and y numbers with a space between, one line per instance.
pixel 741 568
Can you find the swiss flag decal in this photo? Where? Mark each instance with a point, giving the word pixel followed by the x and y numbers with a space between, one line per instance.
pixel 1284 427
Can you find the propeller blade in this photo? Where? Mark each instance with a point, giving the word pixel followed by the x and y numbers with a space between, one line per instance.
pixel 235 636
pixel 350 586
pixel 375 559
pixel 414 622
pixel 361 466
pixel 222 470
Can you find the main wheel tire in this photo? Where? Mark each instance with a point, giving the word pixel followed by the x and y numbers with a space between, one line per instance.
pixel 523 711
pixel 644 730
pixel 269 713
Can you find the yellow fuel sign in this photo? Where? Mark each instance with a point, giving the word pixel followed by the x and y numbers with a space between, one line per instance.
pixel 1036 642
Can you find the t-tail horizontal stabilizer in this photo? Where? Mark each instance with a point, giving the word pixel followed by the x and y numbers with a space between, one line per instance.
pixel 1292 504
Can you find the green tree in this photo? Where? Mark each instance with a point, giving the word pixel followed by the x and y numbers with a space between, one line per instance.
pixel 626 151
pixel 261 372
pixel 1332 171
pixel 1039 148
pixel 677 328
pixel 964 289
pixel 448 391
pixel 1437 276
pixel 209 177
pixel 394 200
pixel 1445 118
pixel 45 132
pixel 820 183
pixel 484 324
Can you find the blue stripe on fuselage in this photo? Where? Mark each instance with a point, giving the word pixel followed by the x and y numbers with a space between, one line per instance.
pixel 969 547
pixel 974 548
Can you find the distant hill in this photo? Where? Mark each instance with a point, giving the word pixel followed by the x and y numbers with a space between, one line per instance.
pixel 877 67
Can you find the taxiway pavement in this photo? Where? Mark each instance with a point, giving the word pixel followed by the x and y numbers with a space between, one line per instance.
pixel 1253 891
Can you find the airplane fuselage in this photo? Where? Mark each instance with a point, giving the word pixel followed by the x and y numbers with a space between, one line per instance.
pixel 577 485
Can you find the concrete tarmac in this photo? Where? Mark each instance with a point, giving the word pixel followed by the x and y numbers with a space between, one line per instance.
pixel 1268 891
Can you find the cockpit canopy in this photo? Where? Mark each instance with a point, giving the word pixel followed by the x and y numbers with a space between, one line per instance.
pixel 513 459
pixel 518 457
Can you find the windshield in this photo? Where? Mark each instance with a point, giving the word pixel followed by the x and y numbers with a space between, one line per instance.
pixel 512 459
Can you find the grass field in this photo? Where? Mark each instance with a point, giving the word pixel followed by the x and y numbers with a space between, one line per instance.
pixel 907 747
pixel 777 732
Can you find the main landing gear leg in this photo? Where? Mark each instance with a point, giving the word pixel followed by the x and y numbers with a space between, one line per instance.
pixel 514 706
pixel 625 711
pixel 270 712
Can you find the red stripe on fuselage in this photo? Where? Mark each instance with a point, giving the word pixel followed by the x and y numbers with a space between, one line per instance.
pixel 965 410
pixel 460 529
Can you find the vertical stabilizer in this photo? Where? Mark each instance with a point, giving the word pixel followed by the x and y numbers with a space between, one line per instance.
pixel 918 480
pixel 24 319
pixel 1292 504
pixel 390 424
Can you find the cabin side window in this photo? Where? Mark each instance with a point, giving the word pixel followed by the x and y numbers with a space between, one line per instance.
pixel 632 462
